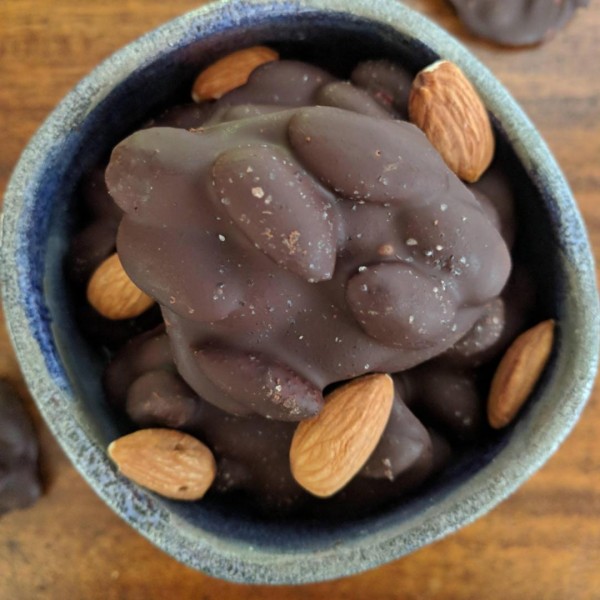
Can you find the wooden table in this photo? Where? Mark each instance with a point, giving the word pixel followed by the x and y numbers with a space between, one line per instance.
pixel 542 543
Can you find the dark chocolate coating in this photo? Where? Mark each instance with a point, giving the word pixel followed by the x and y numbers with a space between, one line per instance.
pixel 97 199
pixel 260 385
pixel 255 237
pixel 494 191
pixel 97 239
pixel 160 398
pixel 503 318
pixel 387 82
pixel 404 444
pixel 89 247
pixel 342 94
pixel 292 247
pixel 449 398
pixel 481 343
pixel 284 83
pixel 149 351
pixel 20 484
pixel 516 22
pixel 253 452
pixel 294 228
pixel 184 116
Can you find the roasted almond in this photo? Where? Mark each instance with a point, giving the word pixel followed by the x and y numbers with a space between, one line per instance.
pixel 448 109
pixel 168 462
pixel 518 372
pixel 230 72
pixel 112 293
pixel 328 450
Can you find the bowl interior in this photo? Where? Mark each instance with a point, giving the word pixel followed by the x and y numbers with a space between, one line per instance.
pixel 227 538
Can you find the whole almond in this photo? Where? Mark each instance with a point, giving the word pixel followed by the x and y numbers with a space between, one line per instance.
pixel 230 72
pixel 112 293
pixel 518 372
pixel 168 462
pixel 448 109
pixel 329 449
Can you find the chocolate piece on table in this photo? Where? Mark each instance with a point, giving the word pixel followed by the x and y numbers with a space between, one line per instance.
pixel 516 22
pixel 20 484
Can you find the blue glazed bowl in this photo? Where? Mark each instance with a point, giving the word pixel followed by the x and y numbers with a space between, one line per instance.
pixel 63 371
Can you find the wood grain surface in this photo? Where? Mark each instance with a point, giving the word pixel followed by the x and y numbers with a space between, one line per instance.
pixel 542 543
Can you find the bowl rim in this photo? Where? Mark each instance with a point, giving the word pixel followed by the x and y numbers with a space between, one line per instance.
pixel 225 559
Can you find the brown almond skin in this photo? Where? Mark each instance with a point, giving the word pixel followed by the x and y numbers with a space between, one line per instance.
pixel 230 72
pixel 328 450
pixel 112 293
pixel 518 372
pixel 168 462
pixel 448 109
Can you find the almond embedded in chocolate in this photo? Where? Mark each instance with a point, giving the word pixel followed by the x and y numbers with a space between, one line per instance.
pixel 342 94
pixel 398 305
pixel 262 385
pixel 456 240
pixel 368 159
pixel 449 399
pixel 146 352
pixel 159 398
pixel 279 208
pixel 387 82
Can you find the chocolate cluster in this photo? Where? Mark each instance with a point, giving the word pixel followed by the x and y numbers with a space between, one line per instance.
pixel 298 233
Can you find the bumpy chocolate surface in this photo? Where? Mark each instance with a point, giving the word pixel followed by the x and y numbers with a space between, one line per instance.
pixel 19 476
pixel 386 82
pixel 516 22
pixel 292 247
pixel 252 452
pixel 301 247
pixel 95 242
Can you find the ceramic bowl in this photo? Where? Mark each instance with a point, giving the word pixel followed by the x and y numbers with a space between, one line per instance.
pixel 63 371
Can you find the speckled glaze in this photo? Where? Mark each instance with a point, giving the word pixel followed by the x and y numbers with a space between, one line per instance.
pixel 63 373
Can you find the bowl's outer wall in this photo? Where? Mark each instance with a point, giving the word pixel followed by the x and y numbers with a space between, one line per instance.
pixel 63 372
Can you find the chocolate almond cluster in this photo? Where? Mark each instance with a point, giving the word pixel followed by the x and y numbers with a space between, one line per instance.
pixel 334 283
